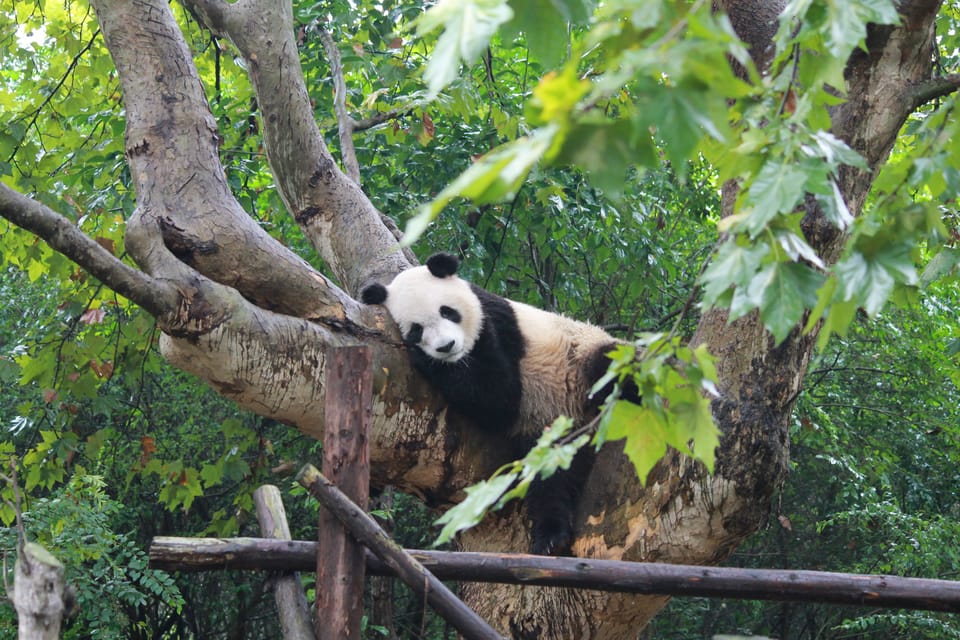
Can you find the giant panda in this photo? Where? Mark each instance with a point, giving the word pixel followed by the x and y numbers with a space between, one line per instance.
pixel 505 366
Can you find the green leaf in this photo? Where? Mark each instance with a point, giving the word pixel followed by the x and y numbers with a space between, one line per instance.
pixel 785 290
pixel 848 22
pixel 945 261
pixel 480 498
pixel 644 433
pixel 834 151
pixel 797 248
pixel 468 26
pixel 605 151
pixel 682 116
pixel 555 97
pixel 777 188
pixel 733 266
pixel 698 429
pixel 494 177
pixel 544 22
pixel 870 280
pixel 827 193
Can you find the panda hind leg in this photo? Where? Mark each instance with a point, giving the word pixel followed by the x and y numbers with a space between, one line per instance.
pixel 552 505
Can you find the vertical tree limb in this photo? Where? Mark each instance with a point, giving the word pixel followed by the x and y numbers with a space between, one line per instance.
pixel 345 122
pixel 38 593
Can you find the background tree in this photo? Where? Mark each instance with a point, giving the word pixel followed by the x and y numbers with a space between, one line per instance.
pixel 243 312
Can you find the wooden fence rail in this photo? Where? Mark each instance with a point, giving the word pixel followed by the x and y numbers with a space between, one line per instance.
pixel 197 554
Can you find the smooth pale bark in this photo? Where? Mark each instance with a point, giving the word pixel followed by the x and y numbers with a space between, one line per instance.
pixel 255 321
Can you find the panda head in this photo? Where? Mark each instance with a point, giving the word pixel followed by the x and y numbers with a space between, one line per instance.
pixel 436 311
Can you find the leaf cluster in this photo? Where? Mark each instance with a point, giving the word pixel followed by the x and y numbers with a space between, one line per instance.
pixel 674 384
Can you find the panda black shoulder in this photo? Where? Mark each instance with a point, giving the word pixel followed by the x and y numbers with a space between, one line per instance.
pixel 500 320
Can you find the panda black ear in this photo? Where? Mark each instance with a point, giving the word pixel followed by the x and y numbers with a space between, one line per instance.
pixel 374 294
pixel 442 265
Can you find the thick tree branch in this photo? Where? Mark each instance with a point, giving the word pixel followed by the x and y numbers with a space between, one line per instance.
pixel 156 296
pixel 934 88
pixel 172 147
pixel 331 208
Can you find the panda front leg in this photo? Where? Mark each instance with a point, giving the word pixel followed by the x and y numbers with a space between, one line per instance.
pixel 552 506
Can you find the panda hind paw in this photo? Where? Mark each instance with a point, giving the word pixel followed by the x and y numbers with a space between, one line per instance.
pixel 551 541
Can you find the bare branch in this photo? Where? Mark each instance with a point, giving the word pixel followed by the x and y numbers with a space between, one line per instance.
pixel 347 125
pixel 156 296
pixel 345 122
pixel 379 118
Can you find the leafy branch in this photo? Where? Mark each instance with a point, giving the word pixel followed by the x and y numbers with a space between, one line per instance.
pixel 156 296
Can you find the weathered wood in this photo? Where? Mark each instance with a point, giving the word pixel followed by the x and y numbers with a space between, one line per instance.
pixel 340 558
pixel 292 607
pixel 38 593
pixel 423 583
pixel 193 554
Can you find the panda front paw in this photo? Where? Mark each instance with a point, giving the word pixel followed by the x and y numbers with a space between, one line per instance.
pixel 551 538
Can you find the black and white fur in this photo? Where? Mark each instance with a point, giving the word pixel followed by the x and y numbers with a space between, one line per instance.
pixel 504 365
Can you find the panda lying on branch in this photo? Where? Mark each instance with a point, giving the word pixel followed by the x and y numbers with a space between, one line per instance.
pixel 506 366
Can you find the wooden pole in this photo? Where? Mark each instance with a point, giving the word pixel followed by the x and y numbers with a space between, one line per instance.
pixel 39 593
pixel 292 604
pixel 198 554
pixel 340 558
pixel 366 530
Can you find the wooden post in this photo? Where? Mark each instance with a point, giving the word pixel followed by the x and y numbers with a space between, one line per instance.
pixel 340 558
pixel 287 589
pixel 38 593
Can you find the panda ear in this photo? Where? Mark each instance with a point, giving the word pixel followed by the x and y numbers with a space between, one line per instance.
pixel 442 265
pixel 374 294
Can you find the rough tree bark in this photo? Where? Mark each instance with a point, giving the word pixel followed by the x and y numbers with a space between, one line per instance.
pixel 256 322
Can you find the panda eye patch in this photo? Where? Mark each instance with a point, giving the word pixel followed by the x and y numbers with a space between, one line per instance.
pixel 451 314
pixel 415 334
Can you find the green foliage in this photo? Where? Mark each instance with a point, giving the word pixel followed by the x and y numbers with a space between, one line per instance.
pixel 647 78
pixel 468 27
pixel 674 383
pixel 872 486
pixel 674 411
pixel 106 567
pixel 583 161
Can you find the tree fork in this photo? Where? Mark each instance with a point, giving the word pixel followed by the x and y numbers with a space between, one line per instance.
pixel 206 554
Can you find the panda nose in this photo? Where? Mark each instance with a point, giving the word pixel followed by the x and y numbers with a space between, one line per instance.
pixel 447 347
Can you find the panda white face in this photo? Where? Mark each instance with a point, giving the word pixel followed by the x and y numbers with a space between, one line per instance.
pixel 440 315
